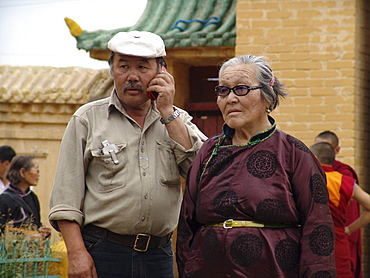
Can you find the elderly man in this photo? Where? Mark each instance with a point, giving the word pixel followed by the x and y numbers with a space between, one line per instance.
pixel 117 192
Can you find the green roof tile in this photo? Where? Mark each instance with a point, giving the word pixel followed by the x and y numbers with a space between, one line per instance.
pixel 181 23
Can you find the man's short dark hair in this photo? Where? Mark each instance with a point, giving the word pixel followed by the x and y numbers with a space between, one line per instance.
pixel 6 153
pixel 330 136
pixel 324 152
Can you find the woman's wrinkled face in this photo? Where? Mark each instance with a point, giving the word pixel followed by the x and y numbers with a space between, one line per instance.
pixel 246 111
pixel 32 175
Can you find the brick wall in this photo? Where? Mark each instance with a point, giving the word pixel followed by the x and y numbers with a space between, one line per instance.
pixel 362 113
pixel 321 51
pixel 310 46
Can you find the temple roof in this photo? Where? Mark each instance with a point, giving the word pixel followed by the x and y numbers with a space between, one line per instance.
pixel 34 84
pixel 181 23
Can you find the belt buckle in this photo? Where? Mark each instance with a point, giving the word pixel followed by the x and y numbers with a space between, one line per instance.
pixel 138 236
pixel 228 224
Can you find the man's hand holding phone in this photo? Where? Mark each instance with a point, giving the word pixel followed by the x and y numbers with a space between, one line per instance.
pixel 164 85
pixel 152 94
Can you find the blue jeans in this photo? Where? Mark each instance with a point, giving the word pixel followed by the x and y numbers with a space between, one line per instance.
pixel 118 261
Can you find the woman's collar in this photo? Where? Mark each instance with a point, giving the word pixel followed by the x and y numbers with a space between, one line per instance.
pixel 229 132
pixel 18 191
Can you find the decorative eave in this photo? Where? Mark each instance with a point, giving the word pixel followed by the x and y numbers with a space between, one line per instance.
pixel 189 24
pixel 195 55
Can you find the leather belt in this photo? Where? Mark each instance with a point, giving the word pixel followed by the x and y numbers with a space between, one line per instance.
pixel 139 242
pixel 231 223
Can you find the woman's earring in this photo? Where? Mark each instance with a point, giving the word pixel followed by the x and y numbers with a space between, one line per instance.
pixel 268 110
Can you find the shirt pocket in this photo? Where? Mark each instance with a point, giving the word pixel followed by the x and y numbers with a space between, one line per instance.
pixel 109 175
pixel 169 172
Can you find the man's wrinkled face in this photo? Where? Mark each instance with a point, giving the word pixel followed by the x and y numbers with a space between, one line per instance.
pixel 131 75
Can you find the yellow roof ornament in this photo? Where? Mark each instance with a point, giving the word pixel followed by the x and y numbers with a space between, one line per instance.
pixel 74 28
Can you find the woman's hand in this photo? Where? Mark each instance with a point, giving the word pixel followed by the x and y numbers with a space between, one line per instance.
pixel 45 232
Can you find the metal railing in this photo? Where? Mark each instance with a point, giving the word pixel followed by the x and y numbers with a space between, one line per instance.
pixel 25 258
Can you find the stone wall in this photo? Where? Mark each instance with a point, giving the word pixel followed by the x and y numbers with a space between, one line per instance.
pixel 36 129
pixel 36 104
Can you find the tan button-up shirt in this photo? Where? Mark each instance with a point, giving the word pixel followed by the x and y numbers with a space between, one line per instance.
pixel 135 190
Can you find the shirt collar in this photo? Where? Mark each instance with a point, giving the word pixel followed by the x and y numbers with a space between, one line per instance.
pixel 115 103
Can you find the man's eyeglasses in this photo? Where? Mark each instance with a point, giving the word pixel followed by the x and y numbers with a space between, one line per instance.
pixel 240 90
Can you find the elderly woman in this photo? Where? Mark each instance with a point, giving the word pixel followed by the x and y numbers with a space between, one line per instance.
pixel 256 202
pixel 19 206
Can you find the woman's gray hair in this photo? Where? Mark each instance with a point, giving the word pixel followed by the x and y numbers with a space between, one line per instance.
pixel 272 89
pixel 14 171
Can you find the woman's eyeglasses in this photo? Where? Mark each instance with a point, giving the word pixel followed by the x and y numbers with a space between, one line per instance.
pixel 240 90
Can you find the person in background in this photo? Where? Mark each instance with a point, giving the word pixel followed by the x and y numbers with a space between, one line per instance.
pixel 117 191
pixel 6 155
pixel 255 202
pixel 19 206
pixel 342 189
pixel 353 210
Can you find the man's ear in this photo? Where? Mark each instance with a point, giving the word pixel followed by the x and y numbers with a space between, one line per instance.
pixel 337 149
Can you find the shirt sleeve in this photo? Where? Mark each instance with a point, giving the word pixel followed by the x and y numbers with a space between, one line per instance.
pixel 185 157
pixel 188 225
pixel 312 201
pixel 69 184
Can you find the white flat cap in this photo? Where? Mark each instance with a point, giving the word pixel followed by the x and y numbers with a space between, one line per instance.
pixel 138 43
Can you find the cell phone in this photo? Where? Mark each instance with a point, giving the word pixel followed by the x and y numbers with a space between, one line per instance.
pixel 153 95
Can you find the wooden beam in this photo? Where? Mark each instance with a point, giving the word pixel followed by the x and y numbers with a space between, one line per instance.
pixel 189 55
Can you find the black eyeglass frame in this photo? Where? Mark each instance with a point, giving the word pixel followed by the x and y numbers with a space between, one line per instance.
pixel 249 88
